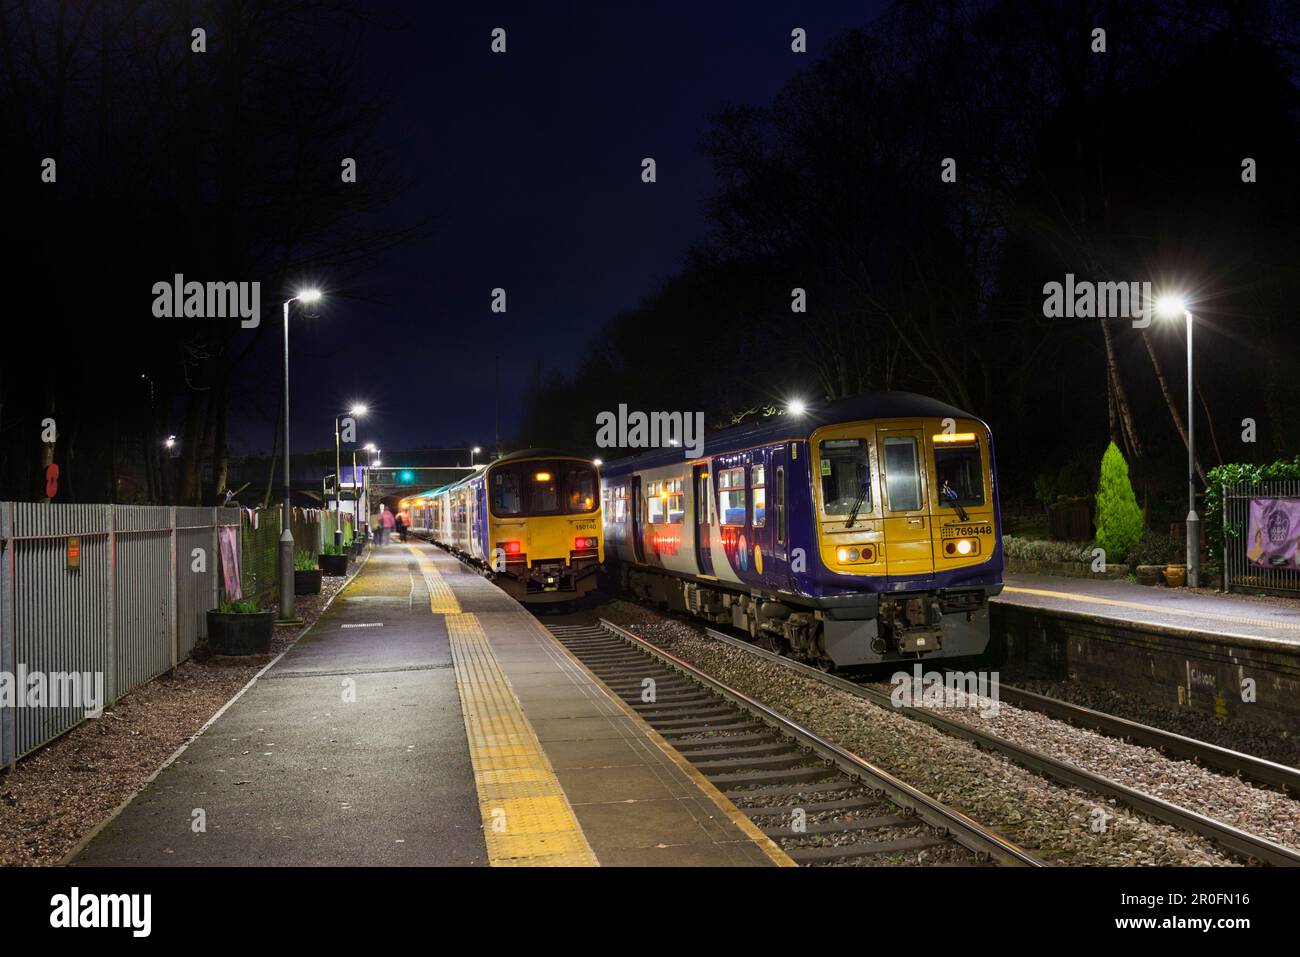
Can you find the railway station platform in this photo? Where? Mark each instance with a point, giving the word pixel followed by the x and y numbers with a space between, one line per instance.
pixel 1229 617
pixel 428 719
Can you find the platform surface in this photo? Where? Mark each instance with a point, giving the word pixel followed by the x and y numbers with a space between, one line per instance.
pixel 427 719
pixel 1225 616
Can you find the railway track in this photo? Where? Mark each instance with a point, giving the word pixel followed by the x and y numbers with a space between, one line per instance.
pixel 1247 766
pixel 1243 843
pixel 822 804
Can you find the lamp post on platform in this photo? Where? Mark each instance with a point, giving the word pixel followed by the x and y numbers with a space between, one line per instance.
pixel 1172 307
pixel 306 296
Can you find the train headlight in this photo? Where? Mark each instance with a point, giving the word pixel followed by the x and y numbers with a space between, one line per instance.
pixel 847 555
pixel 961 547
pixel 964 546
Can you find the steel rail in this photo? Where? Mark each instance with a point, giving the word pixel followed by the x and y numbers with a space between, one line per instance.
pixel 1234 839
pixel 1203 752
pixel 966 831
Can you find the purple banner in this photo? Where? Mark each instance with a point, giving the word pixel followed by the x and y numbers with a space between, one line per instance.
pixel 1274 528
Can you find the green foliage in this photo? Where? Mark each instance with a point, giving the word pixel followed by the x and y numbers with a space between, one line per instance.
pixel 332 549
pixel 1232 473
pixel 1154 548
pixel 1119 520
pixel 305 561
pixel 240 606
pixel 1029 549
pixel 1073 481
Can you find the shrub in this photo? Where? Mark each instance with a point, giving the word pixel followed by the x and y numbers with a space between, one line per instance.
pixel 240 606
pixel 1119 520
pixel 305 561
pixel 1153 548
pixel 332 549
pixel 1029 549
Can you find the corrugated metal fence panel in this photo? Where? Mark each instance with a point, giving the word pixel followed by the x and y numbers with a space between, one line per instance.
pixel 142 606
pixel 7 755
pixel 35 519
pixel 61 616
pixel 196 584
pixel 1239 570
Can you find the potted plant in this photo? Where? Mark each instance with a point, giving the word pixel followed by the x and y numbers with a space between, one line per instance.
pixel 334 560
pixel 306 574
pixel 240 627
pixel 1175 575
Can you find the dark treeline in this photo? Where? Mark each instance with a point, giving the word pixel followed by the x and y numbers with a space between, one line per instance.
pixel 1124 166
pixel 221 165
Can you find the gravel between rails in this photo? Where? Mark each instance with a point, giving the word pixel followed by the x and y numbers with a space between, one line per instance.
pixel 1050 820
pixel 55 796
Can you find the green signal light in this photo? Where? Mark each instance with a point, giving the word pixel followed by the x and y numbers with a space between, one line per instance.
pixel 406 475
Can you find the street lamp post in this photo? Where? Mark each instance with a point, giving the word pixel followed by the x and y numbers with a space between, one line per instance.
pixel 356 411
pixel 286 534
pixel 1171 307
pixel 473 452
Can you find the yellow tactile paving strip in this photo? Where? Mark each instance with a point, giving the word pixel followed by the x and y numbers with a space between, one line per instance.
pixel 1158 609
pixel 527 820
pixel 442 600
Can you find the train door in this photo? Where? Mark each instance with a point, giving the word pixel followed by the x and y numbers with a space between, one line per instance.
pixel 638 520
pixel 777 508
pixel 700 489
pixel 908 547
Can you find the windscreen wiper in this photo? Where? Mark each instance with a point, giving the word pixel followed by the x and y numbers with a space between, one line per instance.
pixel 857 504
pixel 950 493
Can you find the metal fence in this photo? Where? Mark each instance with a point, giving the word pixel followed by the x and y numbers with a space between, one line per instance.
pixel 114 594
pixel 1240 572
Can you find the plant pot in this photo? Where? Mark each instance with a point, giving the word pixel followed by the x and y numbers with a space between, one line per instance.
pixel 240 634
pixel 1176 575
pixel 306 581
pixel 336 565
pixel 1149 574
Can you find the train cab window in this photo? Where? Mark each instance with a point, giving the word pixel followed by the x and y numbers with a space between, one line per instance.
pixel 902 473
pixel 780 504
pixel 731 496
pixel 580 488
pixel 758 483
pixel 958 474
pixel 506 499
pixel 845 475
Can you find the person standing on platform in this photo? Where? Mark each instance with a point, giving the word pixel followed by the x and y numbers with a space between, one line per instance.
pixel 386 522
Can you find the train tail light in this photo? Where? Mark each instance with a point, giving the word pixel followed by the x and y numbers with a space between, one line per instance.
pixel 510 548
pixel 584 544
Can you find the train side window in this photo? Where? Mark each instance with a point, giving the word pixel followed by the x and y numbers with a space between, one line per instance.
pixel 780 504
pixel 758 483
pixel 902 473
pixel 655 499
pixel 731 496
pixel 674 499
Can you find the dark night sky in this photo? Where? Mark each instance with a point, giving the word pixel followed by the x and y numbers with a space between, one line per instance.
pixel 528 165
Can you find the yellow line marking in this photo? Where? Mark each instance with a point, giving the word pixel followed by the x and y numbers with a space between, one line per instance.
pixel 1185 612
pixel 442 600
pixel 527 820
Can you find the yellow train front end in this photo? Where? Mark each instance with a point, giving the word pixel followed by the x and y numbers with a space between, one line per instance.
pixel 544 535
